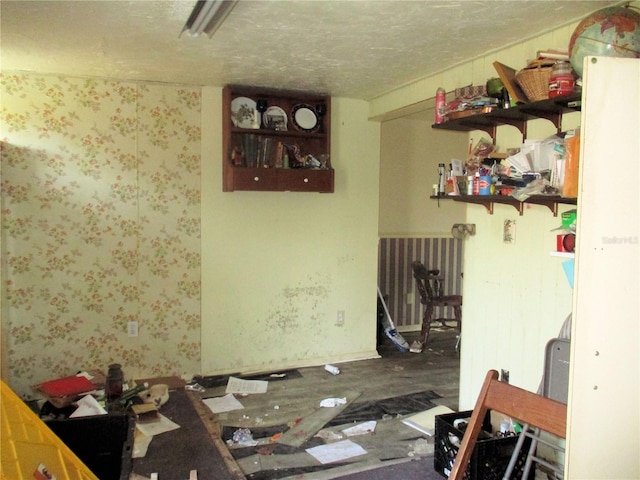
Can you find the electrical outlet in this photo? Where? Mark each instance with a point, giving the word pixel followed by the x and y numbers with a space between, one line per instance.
pixel 340 318
pixel 410 298
pixel 132 329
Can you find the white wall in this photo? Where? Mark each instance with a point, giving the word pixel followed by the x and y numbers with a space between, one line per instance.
pixel 409 155
pixel 284 263
pixel 515 296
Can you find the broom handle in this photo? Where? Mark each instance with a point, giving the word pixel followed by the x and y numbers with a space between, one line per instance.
pixel 386 310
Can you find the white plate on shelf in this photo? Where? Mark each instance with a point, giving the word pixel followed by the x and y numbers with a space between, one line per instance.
pixel 244 113
pixel 305 118
pixel 275 118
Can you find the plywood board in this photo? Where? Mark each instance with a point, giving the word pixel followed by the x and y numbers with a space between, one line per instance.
pixel 508 77
pixel 311 424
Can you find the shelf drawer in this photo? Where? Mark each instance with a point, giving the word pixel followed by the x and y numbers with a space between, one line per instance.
pixel 260 179
pixel 304 180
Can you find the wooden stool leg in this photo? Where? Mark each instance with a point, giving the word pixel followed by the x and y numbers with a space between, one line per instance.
pixel 457 311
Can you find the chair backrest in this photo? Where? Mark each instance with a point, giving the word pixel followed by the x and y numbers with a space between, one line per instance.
pixel 429 282
pixel 526 407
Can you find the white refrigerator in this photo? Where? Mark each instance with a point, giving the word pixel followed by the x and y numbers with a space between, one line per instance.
pixel 603 429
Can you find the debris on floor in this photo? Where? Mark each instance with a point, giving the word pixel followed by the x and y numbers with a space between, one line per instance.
pixel 425 421
pixel 246 387
pixel 332 369
pixel 335 452
pixel 227 403
pixel 333 402
pixel 361 429
pixel 314 426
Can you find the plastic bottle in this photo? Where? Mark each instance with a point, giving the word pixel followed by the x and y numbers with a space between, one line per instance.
pixel 561 81
pixel 441 179
pixel 440 104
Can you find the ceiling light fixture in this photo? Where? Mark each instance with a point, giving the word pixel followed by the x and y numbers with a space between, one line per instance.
pixel 207 16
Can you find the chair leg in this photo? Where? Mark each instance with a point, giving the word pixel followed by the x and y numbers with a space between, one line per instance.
pixel 457 311
pixel 426 325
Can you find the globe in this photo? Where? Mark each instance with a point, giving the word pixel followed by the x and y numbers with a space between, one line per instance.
pixel 610 32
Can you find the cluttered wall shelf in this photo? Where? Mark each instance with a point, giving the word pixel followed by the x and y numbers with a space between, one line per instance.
pixel 517 116
pixel 551 202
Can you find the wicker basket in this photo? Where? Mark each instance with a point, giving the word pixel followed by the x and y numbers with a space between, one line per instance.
pixel 534 82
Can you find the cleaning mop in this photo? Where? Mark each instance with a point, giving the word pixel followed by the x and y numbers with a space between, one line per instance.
pixel 390 329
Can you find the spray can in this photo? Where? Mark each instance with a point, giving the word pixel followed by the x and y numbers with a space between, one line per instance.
pixel 440 104
pixel 476 184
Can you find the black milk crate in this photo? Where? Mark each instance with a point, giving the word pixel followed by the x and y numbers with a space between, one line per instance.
pixel 104 443
pixel 490 456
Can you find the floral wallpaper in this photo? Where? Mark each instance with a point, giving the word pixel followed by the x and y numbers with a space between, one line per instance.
pixel 100 227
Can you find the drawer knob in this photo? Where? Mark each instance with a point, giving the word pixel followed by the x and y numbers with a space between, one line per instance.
pixel 256 179
pixel 306 180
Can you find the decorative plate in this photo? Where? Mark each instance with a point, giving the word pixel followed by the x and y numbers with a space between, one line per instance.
pixel 244 113
pixel 275 118
pixel 304 118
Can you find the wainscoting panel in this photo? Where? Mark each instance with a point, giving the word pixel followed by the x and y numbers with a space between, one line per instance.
pixel 395 276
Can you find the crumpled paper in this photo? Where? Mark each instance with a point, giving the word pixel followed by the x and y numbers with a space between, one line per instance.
pixel 88 406
pixel 333 402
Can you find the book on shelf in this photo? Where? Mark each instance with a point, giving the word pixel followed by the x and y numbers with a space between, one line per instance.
pixel 263 152
pixel 554 54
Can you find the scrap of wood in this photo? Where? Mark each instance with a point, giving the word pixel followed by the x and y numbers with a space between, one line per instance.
pixel 213 428
pixel 146 412
pixel 311 424
pixel 508 77
pixel 253 464
pixel 392 429
pixel 393 442
pixel 340 471
pixel 392 439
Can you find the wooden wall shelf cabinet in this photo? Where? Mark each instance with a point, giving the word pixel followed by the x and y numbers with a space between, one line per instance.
pixel 267 151
pixel 517 116
pixel 551 202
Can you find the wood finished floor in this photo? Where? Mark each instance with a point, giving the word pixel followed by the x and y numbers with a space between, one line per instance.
pixel 394 374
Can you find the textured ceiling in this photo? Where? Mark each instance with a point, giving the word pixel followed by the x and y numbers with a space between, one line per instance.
pixel 353 48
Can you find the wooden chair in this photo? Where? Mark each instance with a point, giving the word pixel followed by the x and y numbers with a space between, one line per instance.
pixel 526 407
pixel 429 284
